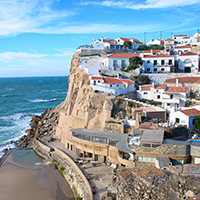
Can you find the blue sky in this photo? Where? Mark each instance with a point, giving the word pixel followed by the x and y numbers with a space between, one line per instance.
pixel 39 37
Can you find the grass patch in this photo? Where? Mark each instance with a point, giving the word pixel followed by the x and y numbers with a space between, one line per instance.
pixel 113 122
pixel 62 169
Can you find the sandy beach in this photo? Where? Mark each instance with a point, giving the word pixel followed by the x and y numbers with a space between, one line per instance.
pixel 25 183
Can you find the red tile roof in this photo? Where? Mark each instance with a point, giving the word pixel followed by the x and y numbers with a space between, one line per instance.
pixel 176 89
pixel 149 51
pixel 149 125
pixel 189 54
pixel 97 78
pixel 155 56
pixel 123 55
pixel 168 39
pixel 191 112
pixel 129 39
pixel 109 42
pixel 115 81
pixel 180 35
pixel 157 86
pixel 181 80
pixel 182 47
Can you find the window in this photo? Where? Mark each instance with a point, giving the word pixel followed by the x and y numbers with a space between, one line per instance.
pixel 100 140
pixel 123 63
pixel 162 62
pixel 114 63
pixel 99 81
pixel 75 135
pixel 148 61
pixel 110 85
pixel 185 51
pixel 85 137
pixel 155 69
pixel 171 96
pixel 162 69
pixel 170 62
pixel 157 90
pixel 191 87
pixel 187 61
pixel 168 104
pixel 158 96
pixel 145 93
pixel 148 69
pixel 112 142
pixel 155 62
pixel 193 121
pixel 117 85
pixel 177 120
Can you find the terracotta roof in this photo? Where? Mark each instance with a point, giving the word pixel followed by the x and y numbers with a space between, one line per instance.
pixel 168 44
pixel 155 56
pixel 182 47
pixel 97 78
pixel 168 39
pixel 123 55
pixel 191 112
pixel 157 86
pixel 115 81
pixel 176 89
pixel 148 125
pixel 112 43
pixel 180 35
pixel 198 38
pixel 189 54
pixel 150 109
pixel 129 39
pixel 149 51
pixel 188 79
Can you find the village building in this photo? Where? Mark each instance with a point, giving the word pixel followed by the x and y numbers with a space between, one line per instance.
pixel 154 112
pixel 192 82
pixel 169 45
pixel 182 49
pixel 112 85
pixel 181 39
pixel 135 42
pixel 116 61
pixel 158 63
pixel 188 62
pixel 170 97
pixel 154 42
pixel 185 117
pixel 115 149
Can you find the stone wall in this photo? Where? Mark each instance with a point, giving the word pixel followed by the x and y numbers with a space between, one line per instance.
pixel 74 176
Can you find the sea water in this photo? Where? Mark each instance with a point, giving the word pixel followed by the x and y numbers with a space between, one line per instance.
pixel 21 98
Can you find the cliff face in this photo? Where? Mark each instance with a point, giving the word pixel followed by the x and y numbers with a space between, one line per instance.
pixel 83 107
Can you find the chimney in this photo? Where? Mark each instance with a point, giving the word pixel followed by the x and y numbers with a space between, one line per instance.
pixel 151 51
pixel 102 39
pixel 176 82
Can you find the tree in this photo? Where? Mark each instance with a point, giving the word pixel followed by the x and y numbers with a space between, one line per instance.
pixel 127 44
pixel 135 60
pixel 142 47
pixel 197 122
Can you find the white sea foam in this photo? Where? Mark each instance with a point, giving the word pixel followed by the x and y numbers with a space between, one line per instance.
pixel 42 100
pixel 45 162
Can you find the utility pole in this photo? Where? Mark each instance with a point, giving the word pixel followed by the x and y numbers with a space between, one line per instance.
pixel 171 34
pixel 144 37
pixel 197 32
pixel 160 35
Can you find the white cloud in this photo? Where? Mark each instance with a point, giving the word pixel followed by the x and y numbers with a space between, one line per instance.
pixel 18 16
pixel 148 4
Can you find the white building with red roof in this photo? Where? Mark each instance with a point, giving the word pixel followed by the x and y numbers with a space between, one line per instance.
pixel 114 86
pixel 182 49
pixel 158 63
pixel 154 42
pixel 169 44
pixel 116 61
pixel 170 97
pixel 189 62
pixel 135 42
pixel 181 39
pixel 185 117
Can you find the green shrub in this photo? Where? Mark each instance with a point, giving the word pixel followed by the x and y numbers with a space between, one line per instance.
pixel 62 169
pixel 113 122
pixel 78 198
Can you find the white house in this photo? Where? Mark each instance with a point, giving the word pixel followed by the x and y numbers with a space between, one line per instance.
pixel 118 60
pixel 135 42
pixel 181 39
pixel 170 97
pixel 182 49
pixel 169 44
pixel 112 85
pixel 154 42
pixel 158 63
pixel 185 117
pixel 188 62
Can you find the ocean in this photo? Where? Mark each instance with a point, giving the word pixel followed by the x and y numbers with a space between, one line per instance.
pixel 21 98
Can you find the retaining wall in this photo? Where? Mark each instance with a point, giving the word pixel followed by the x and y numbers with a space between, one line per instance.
pixel 72 173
